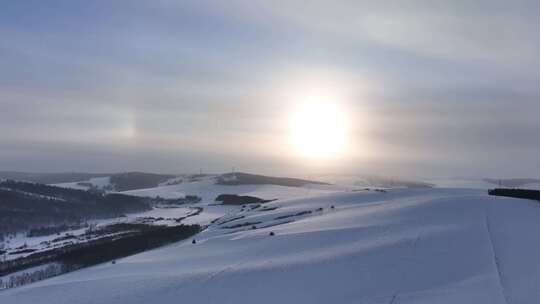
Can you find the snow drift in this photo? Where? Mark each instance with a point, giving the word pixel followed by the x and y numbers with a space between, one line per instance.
pixel 402 246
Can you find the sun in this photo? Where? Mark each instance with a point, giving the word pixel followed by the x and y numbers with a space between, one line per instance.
pixel 319 130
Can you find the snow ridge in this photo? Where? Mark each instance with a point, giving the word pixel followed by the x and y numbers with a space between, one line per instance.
pixel 496 262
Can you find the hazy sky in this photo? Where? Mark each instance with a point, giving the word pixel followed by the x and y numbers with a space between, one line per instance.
pixel 430 88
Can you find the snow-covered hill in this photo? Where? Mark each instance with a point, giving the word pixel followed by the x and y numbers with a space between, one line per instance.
pixel 402 246
pixel 208 190
pixel 199 184
pixel 97 182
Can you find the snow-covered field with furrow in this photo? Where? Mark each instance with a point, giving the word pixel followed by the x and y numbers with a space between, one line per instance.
pixel 439 245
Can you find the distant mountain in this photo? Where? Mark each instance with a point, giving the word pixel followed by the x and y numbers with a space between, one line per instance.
pixel 387 182
pixel 240 178
pixel 137 180
pixel 142 180
pixel 50 178
pixel 512 182
pixel 114 181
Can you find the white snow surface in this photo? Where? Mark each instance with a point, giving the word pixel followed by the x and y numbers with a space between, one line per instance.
pixel 98 182
pixel 208 190
pixel 532 186
pixel 404 246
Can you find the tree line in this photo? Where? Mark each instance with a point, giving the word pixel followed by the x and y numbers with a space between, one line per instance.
pixel 24 206
pixel 80 255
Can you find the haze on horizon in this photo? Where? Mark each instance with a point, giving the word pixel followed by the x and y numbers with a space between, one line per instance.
pixel 424 88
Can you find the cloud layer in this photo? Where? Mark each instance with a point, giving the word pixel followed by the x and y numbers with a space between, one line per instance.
pixel 434 87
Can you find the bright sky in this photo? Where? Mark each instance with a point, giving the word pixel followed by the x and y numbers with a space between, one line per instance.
pixel 425 88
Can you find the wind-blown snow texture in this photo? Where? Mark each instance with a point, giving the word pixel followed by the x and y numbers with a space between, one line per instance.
pixel 404 246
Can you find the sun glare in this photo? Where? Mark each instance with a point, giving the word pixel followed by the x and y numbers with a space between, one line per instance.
pixel 319 130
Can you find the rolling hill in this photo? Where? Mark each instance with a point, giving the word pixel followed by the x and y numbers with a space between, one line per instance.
pixel 428 245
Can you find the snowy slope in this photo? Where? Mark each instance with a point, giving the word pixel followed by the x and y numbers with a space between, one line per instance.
pixel 98 182
pixel 404 246
pixel 208 190
pixel 472 183
pixel 533 186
